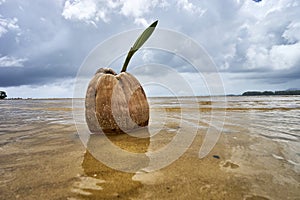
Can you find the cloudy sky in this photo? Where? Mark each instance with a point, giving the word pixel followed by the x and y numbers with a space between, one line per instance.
pixel 255 44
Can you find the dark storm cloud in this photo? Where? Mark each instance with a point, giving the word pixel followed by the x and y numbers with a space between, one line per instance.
pixel 277 77
pixel 41 41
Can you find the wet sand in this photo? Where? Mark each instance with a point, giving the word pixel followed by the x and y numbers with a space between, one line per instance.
pixel 42 157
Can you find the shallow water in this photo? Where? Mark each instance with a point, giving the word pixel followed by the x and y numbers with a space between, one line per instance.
pixel 257 155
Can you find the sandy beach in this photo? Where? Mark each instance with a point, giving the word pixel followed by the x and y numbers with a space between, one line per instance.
pixel 257 156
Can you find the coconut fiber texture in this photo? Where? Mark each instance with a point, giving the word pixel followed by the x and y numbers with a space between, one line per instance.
pixel 115 103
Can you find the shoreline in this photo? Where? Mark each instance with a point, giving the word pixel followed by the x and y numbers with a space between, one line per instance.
pixel 162 97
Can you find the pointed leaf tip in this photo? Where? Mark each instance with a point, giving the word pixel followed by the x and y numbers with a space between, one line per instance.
pixel 144 36
pixel 154 24
pixel 138 43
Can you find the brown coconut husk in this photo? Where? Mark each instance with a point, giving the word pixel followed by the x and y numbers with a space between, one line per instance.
pixel 115 103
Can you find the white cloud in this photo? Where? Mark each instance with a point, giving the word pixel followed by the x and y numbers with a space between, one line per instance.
pixel 80 10
pixel 147 56
pixel 257 57
pixel 92 11
pixel 136 8
pixel 285 56
pixel 8 24
pixel 191 8
pixel 2 1
pixel 254 36
pixel 2 30
pixel 292 33
pixel 141 21
pixel 10 61
pixel 113 4
pixel 228 54
pixel 103 15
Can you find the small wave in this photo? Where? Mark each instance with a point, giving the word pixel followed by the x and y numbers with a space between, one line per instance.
pixel 284 138
pixel 277 157
pixel 293 162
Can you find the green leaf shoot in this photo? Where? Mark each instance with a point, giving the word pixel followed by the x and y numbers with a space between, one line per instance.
pixel 138 43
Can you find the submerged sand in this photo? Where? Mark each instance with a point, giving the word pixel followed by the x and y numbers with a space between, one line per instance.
pixel 42 157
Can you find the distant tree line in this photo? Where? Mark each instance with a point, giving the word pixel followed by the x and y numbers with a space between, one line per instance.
pixel 284 92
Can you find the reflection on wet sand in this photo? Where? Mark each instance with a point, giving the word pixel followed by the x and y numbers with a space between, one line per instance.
pixel 102 182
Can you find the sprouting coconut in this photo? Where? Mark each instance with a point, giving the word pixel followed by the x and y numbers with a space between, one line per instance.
pixel 117 103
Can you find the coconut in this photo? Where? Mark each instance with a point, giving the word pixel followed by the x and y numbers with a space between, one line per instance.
pixel 116 103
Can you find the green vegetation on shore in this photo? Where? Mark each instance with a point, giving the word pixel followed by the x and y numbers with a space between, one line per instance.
pixel 282 92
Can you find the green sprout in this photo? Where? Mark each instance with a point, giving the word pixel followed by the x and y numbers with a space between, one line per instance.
pixel 138 43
